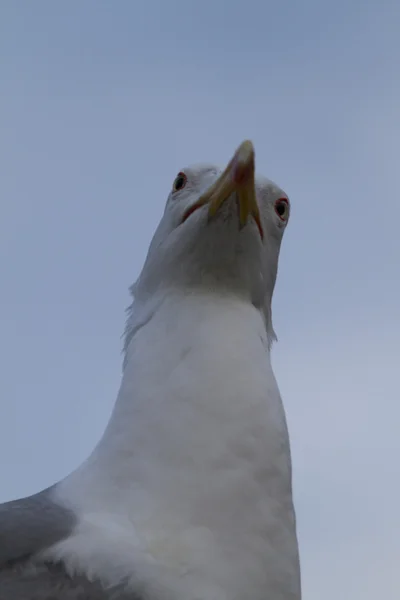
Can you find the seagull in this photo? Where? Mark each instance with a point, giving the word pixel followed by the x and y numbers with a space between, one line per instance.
pixel 188 494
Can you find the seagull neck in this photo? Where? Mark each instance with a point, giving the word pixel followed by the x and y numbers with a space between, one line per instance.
pixel 184 335
pixel 177 317
pixel 197 368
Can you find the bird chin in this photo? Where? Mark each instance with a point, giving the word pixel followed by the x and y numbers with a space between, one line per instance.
pixel 228 217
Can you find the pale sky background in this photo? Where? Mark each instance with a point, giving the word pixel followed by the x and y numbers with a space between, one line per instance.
pixel 101 103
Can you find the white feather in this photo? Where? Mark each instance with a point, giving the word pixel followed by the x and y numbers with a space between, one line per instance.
pixel 188 494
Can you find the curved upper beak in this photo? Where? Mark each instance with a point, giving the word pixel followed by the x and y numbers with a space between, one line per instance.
pixel 239 177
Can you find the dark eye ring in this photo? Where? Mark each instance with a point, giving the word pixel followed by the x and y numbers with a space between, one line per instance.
pixel 282 209
pixel 180 182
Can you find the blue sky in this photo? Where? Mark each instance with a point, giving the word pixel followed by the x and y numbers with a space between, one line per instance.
pixel 101 104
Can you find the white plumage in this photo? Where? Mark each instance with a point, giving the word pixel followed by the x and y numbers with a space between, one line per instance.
pixel 188 494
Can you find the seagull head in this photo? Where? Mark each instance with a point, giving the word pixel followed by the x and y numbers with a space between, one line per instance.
pixel 221 230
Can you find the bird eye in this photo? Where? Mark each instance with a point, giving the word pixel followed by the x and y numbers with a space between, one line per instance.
pixel 282 209
pixel 180 182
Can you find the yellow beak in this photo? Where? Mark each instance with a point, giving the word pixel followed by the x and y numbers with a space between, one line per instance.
pixel 237 177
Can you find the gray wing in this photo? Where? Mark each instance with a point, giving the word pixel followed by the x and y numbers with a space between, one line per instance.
pixel 28 526
pixel 32 524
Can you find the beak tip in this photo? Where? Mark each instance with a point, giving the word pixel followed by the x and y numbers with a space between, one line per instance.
pixel 245 153
pixel 243 163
